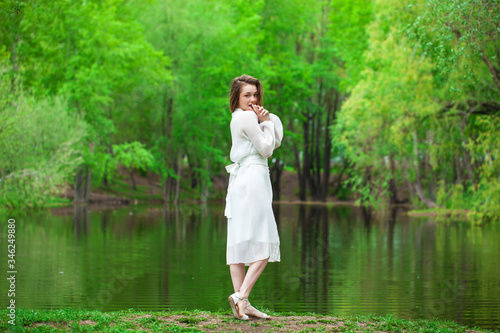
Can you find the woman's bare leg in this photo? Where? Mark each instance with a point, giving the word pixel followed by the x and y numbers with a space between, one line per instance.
pixel 254 271
pixel 237 275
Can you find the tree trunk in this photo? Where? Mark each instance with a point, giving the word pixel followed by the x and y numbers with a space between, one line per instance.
pixel 276 172
pixel 205 185
pixel 132 179
pixel 393 199
pixel 418 184
pixel 433 184
pixel 306 164
pixel 205 191
pixel 79 185
pixel 195 175
pixel 105 181
pixel 151 185
pixel 493 70
pixel 177 191
pixel 88 177
pixel 178 171
pixel 87 184
pixel 458 178
pixel 82 183
pixel 406 166
pixel 170 111
pixel 167 118
pixel 330 115
pixel 166 191
pixel 337 183
pixel 299 167
pixel 368 181
pixel 82 186
pixel 316 156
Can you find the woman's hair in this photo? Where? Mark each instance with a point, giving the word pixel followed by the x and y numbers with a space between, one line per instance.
pixel 240 81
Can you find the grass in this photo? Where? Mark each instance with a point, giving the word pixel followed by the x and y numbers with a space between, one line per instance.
pixel 55 202
pixel 198 321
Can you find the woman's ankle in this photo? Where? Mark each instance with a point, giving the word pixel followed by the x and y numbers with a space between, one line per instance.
pixel 243 294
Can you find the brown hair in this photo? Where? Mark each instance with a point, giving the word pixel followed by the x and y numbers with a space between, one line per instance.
pixel 240 81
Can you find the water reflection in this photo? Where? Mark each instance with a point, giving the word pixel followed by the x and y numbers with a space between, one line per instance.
pixel 81 220
pixel 336 260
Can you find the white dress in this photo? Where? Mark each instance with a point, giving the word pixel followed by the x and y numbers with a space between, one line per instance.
pixel 252 233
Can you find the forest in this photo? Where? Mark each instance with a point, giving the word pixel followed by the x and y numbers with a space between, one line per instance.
pixel 383 102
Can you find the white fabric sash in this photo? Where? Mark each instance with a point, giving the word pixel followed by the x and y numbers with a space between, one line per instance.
pixel 233 169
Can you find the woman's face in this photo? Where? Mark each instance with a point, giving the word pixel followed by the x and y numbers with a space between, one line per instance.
pixel 248 95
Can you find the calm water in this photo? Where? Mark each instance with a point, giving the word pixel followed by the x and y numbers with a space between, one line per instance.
pixel 334 260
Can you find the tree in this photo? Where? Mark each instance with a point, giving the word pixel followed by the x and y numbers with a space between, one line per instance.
pixel 40 148
pixel 96 54
pixel 413 118
pixel 463 39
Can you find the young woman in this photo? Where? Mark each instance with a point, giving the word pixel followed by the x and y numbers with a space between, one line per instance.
pixel 252 234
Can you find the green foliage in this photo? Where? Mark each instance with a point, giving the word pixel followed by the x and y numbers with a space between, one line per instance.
pixel 486 204
pixel 424 111
pixel 453 196
pixel 348 22
pixel 385 107
pixel 40 151
pixel 96 54
pixel 133 156
pixel 418 82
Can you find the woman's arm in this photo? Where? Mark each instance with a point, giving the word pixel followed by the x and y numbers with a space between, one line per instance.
pixel 263 136
pixel 278 130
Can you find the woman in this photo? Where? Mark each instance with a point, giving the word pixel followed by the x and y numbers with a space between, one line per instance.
pixel 252 235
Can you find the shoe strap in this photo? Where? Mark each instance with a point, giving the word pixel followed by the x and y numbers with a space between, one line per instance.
pixel 240 298
pixel 243 299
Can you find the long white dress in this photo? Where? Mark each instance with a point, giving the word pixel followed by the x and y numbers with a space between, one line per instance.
pixel 252 233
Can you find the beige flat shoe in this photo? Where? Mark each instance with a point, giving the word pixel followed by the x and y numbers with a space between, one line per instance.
pixel 233 301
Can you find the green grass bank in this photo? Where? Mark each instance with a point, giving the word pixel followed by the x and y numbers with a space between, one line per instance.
pixel 71 320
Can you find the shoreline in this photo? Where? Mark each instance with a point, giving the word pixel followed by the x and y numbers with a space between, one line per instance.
pixel 440 212
pixel 148 192
pixel 111 202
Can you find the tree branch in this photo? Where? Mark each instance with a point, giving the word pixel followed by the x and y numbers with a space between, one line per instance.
pixel 493 70
pixel 475 107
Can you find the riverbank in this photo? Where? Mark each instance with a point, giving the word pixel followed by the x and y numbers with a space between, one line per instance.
pixel 147 190
pixel 203 321
pixel 459 214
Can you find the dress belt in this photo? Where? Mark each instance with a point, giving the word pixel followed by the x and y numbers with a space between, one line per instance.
pixel 233 169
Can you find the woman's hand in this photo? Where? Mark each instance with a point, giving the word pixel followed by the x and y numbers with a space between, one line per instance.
pixel 262 114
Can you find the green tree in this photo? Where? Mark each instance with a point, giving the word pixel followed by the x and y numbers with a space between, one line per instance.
pixel 463 39
pixel 96 54
pixel 417 115
pixel 207 51
pixel 40 148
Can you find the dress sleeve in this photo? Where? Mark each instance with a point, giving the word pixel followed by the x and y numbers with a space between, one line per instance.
pixel 263 136
pixel 278 129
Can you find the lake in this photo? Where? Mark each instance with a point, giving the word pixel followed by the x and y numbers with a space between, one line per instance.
pixel 334 260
